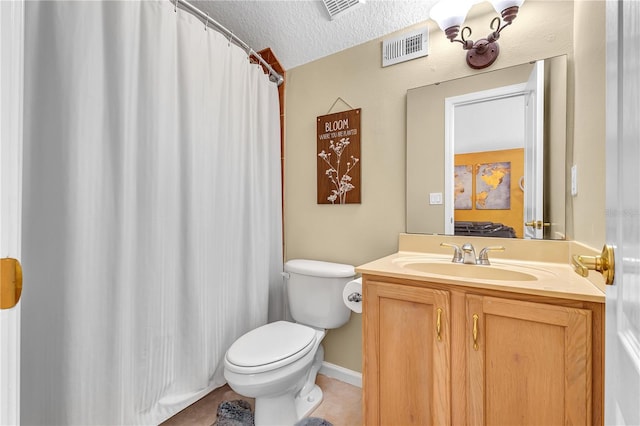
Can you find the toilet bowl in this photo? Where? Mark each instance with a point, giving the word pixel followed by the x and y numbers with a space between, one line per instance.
pixel 273 364
pixel 277 363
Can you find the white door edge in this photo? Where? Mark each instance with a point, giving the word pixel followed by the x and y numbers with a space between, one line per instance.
pixel 622 331
pixel 11 93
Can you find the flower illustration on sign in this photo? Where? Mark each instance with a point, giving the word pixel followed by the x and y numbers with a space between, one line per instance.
pixel 341 182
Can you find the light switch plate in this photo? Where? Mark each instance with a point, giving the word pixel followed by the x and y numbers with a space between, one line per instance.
pixel 435 198
pixel 574 180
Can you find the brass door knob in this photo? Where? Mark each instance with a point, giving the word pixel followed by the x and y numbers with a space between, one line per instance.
pixel 10 282
pixel 537 224
pixel 605 264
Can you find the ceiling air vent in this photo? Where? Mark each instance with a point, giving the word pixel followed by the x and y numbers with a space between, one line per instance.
pixel 406 47
pixel 337 7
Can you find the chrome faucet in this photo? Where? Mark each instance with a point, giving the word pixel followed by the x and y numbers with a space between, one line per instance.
pixel 468 254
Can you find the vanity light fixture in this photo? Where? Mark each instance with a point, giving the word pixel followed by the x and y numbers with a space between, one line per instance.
pixel 450 15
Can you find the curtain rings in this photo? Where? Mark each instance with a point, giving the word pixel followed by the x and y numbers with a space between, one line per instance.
pixel 206 23
pixel 175 6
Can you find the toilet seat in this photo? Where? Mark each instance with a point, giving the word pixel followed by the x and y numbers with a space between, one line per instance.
pixel 270 347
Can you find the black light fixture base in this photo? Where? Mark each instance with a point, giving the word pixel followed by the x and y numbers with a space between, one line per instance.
pixel 482 54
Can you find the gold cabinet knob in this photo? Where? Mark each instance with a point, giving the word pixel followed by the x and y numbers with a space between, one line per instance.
pixel 475 331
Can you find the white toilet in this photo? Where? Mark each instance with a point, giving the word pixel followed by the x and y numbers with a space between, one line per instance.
pixel 277 363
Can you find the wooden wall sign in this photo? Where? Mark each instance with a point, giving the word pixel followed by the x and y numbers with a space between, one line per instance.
pixel 338 157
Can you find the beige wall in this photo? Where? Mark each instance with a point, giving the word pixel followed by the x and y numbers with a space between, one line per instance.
pixel 589 123
pixel 356 234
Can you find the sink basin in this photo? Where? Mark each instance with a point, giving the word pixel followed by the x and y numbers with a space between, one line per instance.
pixel 471 271
pixel 498 271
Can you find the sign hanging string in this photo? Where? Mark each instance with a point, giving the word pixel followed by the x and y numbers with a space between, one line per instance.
pixel 336 101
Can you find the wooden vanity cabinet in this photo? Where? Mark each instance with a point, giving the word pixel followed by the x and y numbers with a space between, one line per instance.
pixel 501 359
pixel 406 359
pixel 529 363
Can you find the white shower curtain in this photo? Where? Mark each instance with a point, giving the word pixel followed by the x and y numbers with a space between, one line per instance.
pixel 152 218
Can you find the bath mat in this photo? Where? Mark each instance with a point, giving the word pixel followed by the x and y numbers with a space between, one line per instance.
pixel 234 413
pixel 313 421
pixel 238 413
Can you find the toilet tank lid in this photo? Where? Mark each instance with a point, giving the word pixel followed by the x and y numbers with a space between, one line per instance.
pixel 318 268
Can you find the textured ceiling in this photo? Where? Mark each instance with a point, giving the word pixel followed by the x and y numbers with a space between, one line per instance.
pixel 300 31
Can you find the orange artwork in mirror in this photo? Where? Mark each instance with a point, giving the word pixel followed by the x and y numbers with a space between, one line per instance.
pixel 488 188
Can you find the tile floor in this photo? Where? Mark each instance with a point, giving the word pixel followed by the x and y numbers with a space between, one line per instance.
pixel 342 405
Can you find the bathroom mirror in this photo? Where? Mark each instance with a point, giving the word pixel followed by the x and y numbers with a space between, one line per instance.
pixel 473 164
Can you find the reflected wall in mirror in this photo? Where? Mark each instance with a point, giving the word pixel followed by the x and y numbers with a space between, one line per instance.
pixel 508 149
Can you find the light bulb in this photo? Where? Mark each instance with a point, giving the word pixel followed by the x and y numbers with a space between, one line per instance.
pixel 450 13
pixel 500 5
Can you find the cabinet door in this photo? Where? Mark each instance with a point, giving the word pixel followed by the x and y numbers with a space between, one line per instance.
pixel 529 364
pixel 406 376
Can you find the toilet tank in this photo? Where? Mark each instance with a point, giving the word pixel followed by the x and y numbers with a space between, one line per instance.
pixel 314 292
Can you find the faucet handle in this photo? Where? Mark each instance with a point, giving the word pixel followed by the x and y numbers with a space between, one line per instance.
pixel 457 252
pixel 483 257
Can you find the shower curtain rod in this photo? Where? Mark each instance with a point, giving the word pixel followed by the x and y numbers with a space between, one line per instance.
pixel 209 22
